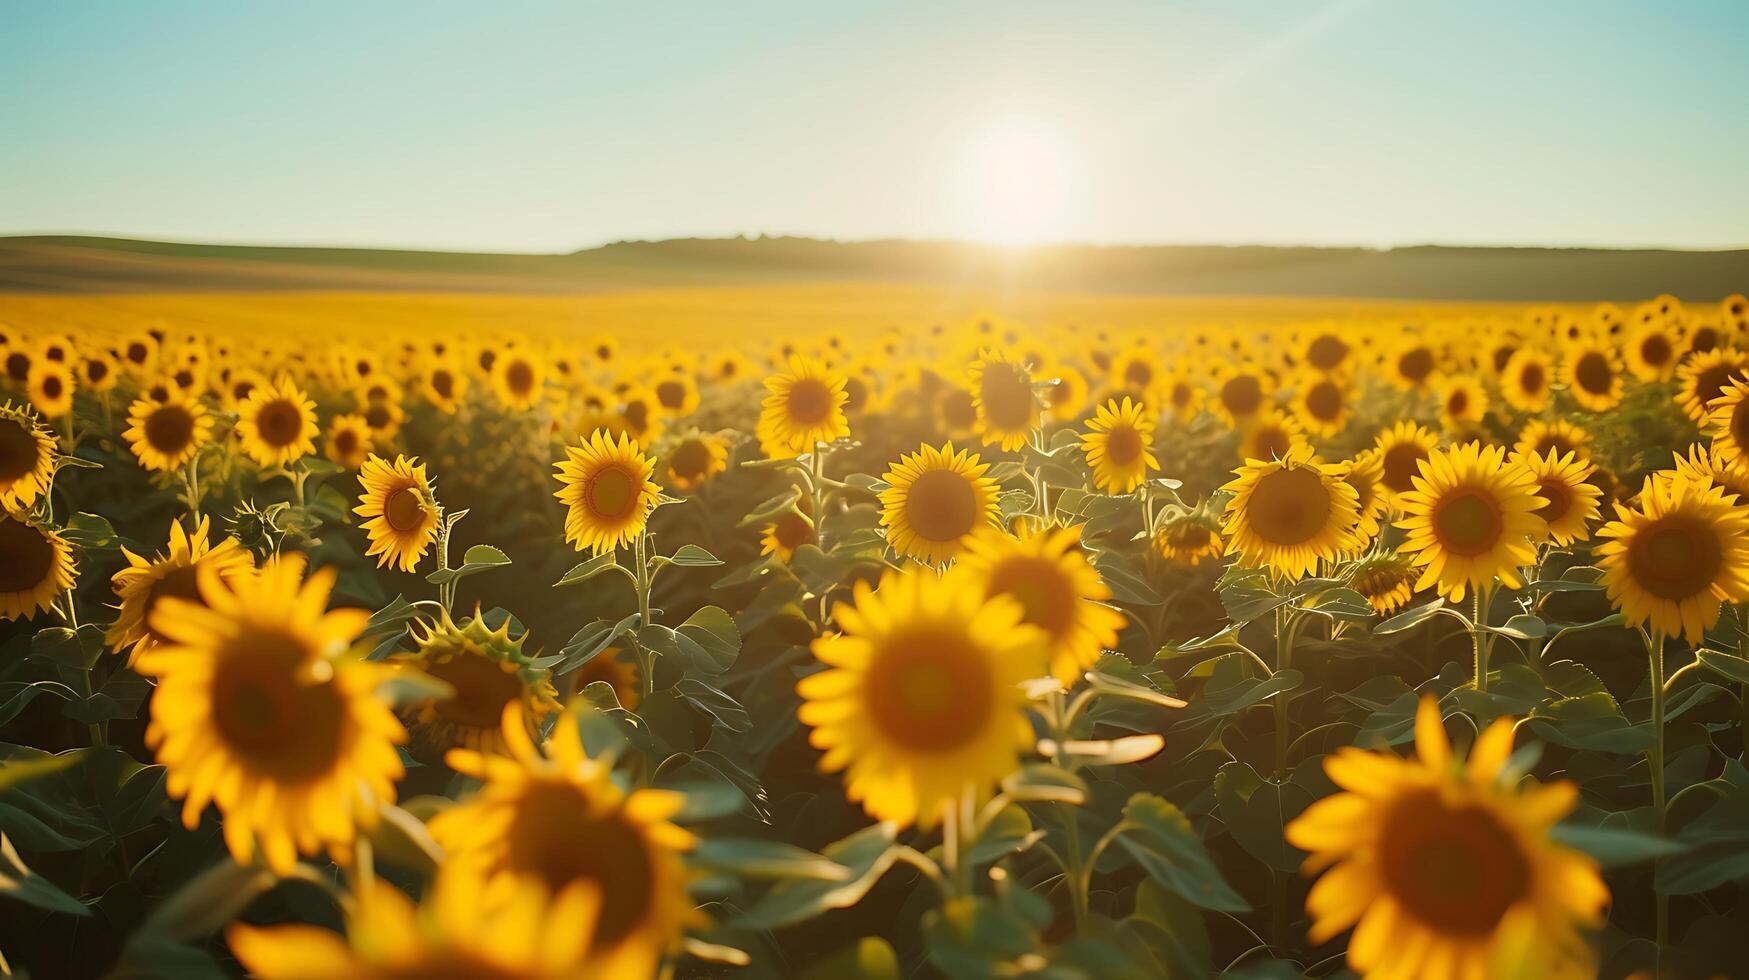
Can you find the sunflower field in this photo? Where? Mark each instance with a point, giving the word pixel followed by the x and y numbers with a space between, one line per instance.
pixel 983 649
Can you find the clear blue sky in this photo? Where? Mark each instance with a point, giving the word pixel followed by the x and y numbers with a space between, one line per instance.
pixel 549 126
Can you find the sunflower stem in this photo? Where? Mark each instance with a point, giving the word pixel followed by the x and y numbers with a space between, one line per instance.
pixel 1479 637
pixel 1284 651
pixel 1655 760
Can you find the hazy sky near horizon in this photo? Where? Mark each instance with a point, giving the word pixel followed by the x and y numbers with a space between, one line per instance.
pixel 551 126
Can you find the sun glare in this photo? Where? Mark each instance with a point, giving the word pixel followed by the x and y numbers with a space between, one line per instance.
pixel 1015 179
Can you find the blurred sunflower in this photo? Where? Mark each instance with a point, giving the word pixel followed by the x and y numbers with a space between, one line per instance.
pixel 1593 375
pixel 607 489
pixel 1704 377
pixel 1471 519
pixel 1652 352
pixel 277 424
pixel 804 407
pixel 255 712
pixel 349 441
pixel 934 500
pixel 694 460
pixel 1707 465
pixel 165 435
pixel 1136 371
pixel 956 410
pixel 1323 404
pixel 922 701
pixel 1181 396
pixel 1189 540
pixel 1270 434
pixel 1387 580
pixel 1437 864
pixel 444 384
pixel 1289 514
pixel 676 395
pixel 527 934
pixel 1068 396
pixel 1728 422
pixel 383 416
pixel 1401 450
pixel 36 566
pixel 1325 350
pixel 173 574
pixel 139 353
pixel 1241 391
pixel 1569 501
pixel 50 387
pixel 402 511
pixel 1118 445
pixel 98 371
pixel 1058 589
pixel 1539 438
pixel 1526 380
pixel 559 818
pixel 27 457
pixel 1364 473
pixel 789 531
pixel 1007 408
pixel 613 668
pixel 1671 559
pixel 487 670
pixel 1463 404
pixel 1413 365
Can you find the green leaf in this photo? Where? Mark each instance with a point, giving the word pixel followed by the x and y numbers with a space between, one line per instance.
pixel 749 857
pixel 1118 687
pixel 1256 811
pixel 584 571
pixel 1162 841
pixel 1521 627
pixel 1125 584
pixel 1343 604
pixel 866 854
pixel 1244 604
pixel 1614 847
pixel 1591 721
pixel 1039 781
pixel 17 772
pixel 1727 665
pixel 692 556
pixel 1228 691
pixel 1409 618
pixel 20 883
pixel 479 558
pixel 89 532
pixel 590 641
pixel 714 638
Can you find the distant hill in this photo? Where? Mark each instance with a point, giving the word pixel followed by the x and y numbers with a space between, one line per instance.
pixel 77 264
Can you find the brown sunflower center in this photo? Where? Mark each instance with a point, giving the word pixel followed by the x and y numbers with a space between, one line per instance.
pixel 52 387
pixel 346 442
pixel 1705 339
pixel 1007 396
pixel 1326 352
pixel 404 509
pixel 138 352
pixel 1656 350
pixel 1188 537
pixel 1675 557
pixel 941 506
pixel 96 371
pixel 1402 463
pixel 18 366
pixel 169 429
pixel 1182 394
pixel 611 493
pixel 793 530
pixel 1415 364
pixel 280 422
pixel 1324 401
pixel 1593 373
pixel 1123 445
pixel 691 460
pixel 29 557
pixel 1532 379
pixel 1739 425
pixel 443 383
pixel 482 689
pixel 672 395
pixel 1458 403
pixel 1270 442
pixel 179 583
pixel 1558 499
pixel 1288 506
pixel 1138 374
pixel 957 409
pixel 283 726
pixel 378 416
pixel 1242 395
pixel 1047 596
pixel 1710 382
pixel 555 835
pixel 1454 867
pixel 1502 354
pixel 520 377
pixel 18 449
pixel 637 415
pixel 810 401
pixel 929 691
pixel 1059 394
pixel 1467 523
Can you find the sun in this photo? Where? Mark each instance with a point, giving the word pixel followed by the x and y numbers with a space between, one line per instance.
pixel 1014 182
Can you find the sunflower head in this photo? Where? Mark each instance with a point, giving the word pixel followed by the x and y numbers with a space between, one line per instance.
pixel 1289 514
pixel 1241 391
pixel 1119 446
pixel 277 424
pixel 1526 380
pixel 517 378
pixel 27 457
pixel 1189 540
pixel 1561 437
pixel 1387 581
pixel 1704 377
pixel 1594 376
pixel 804 407
pixel 1436 862
pixel 487 670
pixel 1708 465
pixel 1066 396
pixel 1006 407
pixel 935 500
pixel 174 574
pixel 1463 404
pixel 401 510
pixel 922 702
pixel 693 460
pixel 1471 519
pixel 349 441
pixel 1366 473
pixel 1401 449
pixel 1670 560
pixel 1570 501
pixel 1324 403
pixel 36 566
pixel 617 670
pixel 1270 434
pixel 1058 589
pixel 165 435
pixel 607 491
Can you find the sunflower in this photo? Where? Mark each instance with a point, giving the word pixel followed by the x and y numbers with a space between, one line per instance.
pixel 1270 434
pixel 1704 377
pixel 50 387
pixel 139 352
pixel 617 671
pixel 934 500
pixel 1119 446
pixel 559 818
pixel 36 566
pixel 1728 422
pixel 1671 559
pixel 956 410
pixel 99 371
pixel 1705 464
pixel 1471 519
pixel 17 365
pixel 445 384
pixel 349 441
pixel 402 510
pixel 1325 350
pixel 517 379
pixel 1241 391
pixel 175 573
pixel 1387 581
pixel 255 712
pixel 1181 396
pixel 277 424
pixel 789 531
pixel 1593 375
pixel 1463 404
pixel 694 460
pixel 1437 863
pixel 1002 396
pixel 1570 501
pixel 676 395
pixel 383 417
pixel 27 457
pixel 1058 589
pixel 923 701
pixel 1323 404
pixel 805 407
pixel 1189 540
pixel 1652 352
pixel 1364 473
pixel 607 489
pixel 165 435
pixel 487 669
pixel 1413 366
pixel 527 934
pixel 1525 380
pixel 1401 450
pixel 1067 395
pixel 1288 514
pixel 1136 371
pixel 1539 438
